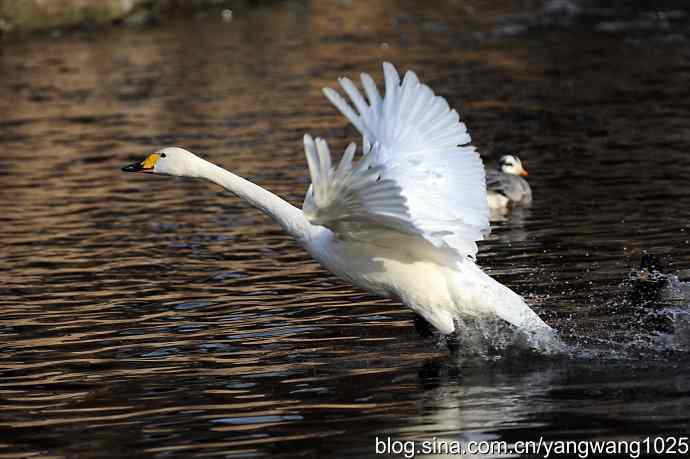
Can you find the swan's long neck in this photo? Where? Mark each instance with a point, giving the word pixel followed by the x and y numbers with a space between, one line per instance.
pixel 289 217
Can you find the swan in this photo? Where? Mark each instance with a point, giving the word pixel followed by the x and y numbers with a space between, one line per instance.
pixel 506 186
pixel 401 220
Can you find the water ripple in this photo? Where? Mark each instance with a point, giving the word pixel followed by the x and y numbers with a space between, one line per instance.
pixel 149 317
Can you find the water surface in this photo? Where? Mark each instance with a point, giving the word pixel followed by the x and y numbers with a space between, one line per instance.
pixel 158 317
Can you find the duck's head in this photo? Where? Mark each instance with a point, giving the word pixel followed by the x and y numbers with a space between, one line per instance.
pixel 168 161
pixel 652 269
pixel 648 280
pixel 511 164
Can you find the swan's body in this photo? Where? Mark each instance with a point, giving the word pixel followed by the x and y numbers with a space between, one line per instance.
pixel 506 186
pixel 438 290
pixel 402 221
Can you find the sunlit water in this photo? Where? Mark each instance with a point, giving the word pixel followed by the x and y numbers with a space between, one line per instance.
pixel 157 317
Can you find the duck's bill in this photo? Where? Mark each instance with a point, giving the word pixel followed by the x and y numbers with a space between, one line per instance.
pixel 143 166
pixel 644 275
pixel 523 172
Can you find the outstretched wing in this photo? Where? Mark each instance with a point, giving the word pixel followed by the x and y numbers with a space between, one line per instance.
pixel 418 175
pixel 352 198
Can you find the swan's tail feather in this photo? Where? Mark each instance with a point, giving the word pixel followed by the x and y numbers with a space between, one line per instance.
pixel 479 295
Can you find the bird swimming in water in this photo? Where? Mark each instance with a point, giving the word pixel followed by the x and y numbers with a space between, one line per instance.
pixel 506 186
pixel 653 283
pixel 402 219
pixel 656 300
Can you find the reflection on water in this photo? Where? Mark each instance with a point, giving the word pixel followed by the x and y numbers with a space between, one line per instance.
pixel 150 317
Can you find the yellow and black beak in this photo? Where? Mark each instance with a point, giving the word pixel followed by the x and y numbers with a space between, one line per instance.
pixel 143 166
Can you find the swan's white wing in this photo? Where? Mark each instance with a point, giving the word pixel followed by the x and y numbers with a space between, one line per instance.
pixel 415 143
pixel 353 198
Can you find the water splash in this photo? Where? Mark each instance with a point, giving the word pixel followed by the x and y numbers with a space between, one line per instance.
pixel 493 339
pixel 656 333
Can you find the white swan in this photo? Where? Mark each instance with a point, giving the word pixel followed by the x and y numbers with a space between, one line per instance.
pixel 401 221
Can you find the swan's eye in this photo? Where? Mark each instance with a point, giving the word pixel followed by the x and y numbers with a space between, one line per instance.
pixel 163 155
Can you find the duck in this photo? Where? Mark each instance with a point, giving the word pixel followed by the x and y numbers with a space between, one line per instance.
pixel 402 218
pixel 655 299
pixel 506 186
pixel 654 285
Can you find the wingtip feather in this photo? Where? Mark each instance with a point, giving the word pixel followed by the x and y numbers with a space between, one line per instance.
pixel 411 121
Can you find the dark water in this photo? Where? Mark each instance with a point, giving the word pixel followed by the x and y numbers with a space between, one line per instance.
pixel 153 317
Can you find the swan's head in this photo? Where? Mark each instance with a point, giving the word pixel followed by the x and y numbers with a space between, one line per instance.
pixel 512 165
pixel 168 161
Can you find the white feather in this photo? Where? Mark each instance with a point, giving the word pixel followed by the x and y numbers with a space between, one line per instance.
pixel 420 151
pixel 353 198
pixel 400 221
